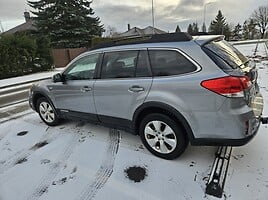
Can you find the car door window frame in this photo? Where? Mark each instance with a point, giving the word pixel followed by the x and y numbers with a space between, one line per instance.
pixel 99 74
pixel 74 63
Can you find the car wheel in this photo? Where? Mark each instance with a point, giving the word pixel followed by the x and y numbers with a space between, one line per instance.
pixel 47 112
pixel 162 136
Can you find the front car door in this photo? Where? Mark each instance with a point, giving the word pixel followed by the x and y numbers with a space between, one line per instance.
pixel 74 96
pixel 123 86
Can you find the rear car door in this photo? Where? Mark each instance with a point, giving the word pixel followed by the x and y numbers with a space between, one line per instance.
pixel 74 96
pixel 123 85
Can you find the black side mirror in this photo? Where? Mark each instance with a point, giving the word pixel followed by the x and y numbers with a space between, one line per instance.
pixel 58 78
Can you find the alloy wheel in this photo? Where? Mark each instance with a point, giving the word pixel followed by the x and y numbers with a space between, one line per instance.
pixel 160 137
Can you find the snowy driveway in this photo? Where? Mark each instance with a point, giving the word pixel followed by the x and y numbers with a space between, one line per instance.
pixel 79 161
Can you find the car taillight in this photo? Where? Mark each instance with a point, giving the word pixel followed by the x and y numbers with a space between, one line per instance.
pixel 229 86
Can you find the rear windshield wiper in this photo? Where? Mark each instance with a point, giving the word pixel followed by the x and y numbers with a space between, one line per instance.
pixel 240 66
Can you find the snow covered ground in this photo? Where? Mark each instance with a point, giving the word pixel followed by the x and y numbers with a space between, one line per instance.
pixel 79 161
pixel 249 49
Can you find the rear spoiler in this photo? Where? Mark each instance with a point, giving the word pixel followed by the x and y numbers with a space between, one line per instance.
pixel 204 39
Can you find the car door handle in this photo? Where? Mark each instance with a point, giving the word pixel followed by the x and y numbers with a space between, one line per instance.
pixel 136 88
pixel 86 89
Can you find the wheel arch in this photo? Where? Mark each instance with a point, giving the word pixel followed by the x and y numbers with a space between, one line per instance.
pixel 158 107
pixel 38 95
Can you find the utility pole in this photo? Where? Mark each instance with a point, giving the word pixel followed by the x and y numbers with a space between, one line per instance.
pixel 1 27
pixel 204 15
pixel 153 15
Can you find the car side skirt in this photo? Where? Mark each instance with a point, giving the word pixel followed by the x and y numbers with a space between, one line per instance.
pixel 112 122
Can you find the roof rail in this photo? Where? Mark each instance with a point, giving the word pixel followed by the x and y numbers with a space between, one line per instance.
pixel 200 33
pixel 167 37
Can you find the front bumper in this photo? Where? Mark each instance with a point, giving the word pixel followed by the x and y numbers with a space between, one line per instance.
pixel 31 104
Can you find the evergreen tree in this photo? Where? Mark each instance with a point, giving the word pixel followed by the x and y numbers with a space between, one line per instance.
pixel 195 28
pixel 190 29
pixel 204 28
pixel 245 31
pixel 249 30
pixel 219 26
pixel 66 23
pixel 252 29
pixel 178 30
pixel 236 33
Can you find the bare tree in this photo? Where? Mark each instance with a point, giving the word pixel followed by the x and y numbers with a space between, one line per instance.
pixel 111 31
pixel 260 17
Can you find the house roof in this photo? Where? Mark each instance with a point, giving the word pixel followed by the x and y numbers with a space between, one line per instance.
pixel 28 25
pixel 135 31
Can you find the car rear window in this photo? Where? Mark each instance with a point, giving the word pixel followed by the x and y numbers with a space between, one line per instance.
pixel 169 62
pixel 221 50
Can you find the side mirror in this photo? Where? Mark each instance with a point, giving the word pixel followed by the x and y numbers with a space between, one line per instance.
pixel 57 78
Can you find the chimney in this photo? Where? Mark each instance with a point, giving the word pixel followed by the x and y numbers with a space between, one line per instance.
pixel 128 27
pixel 27 16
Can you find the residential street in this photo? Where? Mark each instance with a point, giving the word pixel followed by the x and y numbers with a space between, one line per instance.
pixel 79 161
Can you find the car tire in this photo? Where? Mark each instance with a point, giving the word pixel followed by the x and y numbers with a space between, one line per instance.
pixel 162 136
pixel 47 112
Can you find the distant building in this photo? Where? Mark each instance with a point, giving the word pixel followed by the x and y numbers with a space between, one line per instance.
pixel 135 31
pixel 28 25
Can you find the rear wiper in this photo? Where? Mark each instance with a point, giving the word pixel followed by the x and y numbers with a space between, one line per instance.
pixel 240 66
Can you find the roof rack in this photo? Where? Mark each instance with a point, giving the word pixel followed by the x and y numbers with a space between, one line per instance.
pixel 167 37
pixel 200 33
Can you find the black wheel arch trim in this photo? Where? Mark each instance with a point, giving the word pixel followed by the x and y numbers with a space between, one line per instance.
pixel 47 97
pixel 164 107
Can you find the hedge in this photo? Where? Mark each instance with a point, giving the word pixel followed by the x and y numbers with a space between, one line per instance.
pixel 22 54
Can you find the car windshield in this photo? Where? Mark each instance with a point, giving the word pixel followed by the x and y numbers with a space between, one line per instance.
pixel 228 53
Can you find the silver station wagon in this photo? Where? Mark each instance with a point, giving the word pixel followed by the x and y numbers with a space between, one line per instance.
pixel 170 89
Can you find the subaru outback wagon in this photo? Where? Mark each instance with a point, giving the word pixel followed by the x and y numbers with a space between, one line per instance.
pixel 170 89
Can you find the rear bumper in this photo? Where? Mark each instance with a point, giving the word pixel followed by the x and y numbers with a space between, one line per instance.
pixel 226 142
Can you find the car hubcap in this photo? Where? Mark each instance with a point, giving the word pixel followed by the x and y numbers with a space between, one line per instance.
pixel 46 111
pixel 160 137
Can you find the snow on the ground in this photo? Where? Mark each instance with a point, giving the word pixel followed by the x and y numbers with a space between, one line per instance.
pixel 249 49
pixel 28 78
pixel 242 42
pixel 76 162
pixel 79 161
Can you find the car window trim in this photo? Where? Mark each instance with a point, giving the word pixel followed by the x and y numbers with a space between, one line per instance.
pixel 190 59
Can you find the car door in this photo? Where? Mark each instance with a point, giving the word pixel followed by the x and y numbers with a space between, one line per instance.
pixel 124 84
pixel 74 96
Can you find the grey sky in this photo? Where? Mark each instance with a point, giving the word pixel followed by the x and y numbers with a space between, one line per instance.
pixel 168 13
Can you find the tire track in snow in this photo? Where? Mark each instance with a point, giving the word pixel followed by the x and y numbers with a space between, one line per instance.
pixel 106 168
pixel 54 169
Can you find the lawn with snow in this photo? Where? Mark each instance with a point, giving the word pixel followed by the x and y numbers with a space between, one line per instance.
pixel 78 161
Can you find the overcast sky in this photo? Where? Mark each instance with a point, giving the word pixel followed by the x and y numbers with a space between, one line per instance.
pixel 168 13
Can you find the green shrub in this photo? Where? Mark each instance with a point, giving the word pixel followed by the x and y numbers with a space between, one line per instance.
pixel 22 54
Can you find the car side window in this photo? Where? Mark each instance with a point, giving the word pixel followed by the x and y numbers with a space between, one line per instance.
pixel 82 69
pixel 119 64
pixel 169 62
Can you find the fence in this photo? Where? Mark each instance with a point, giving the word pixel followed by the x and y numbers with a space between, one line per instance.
pixel 63 56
